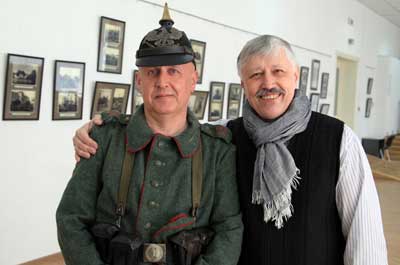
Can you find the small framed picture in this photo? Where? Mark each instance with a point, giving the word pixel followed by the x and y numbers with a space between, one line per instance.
pixel 111 45
pixel 23 87
pixel 369 85
pixel 217 90
pixel 303 80
pixel 234 100
pixel 324 109
pixel 199 48
pixel 368 107
pixel 324 85
pixel 137 98
pixel 68 88
pixel 314 99
pixel 197 103
pixel 314 74
pixel 110 96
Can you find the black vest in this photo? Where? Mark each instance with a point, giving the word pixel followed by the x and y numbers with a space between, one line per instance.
pixel 313 235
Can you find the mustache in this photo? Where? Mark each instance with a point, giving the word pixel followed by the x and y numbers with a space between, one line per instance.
pixel 263 91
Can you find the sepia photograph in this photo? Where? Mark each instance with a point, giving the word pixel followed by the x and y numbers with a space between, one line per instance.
pixel 23 87
pixel 111 45
pixel 324 85
pixel 324 109
pixel 110 96
pixel 234 100
pixel 215 111
pixel 314 99
pixel 368 107
pixel 303 80
pixel 369 85
pixel 199 49
pixel 197 103
pixel 69 82
pixel 315 65
pixel 215 106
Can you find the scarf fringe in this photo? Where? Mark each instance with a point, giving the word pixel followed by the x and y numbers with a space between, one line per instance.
pixel 280 209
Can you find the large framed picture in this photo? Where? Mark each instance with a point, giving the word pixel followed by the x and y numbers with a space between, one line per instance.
pixel 23 87
pixel 110 96
pixel 111 45
pixel 314 99
pixel 303 80
pixel 217 90
pixel 234 100
pixel 369 85
pixel 137 98
pixel 197 103
pixel 314 74
pixel 68 88
pixel 199 48
pixel 368 107
pixel 324 109
pixel 324 85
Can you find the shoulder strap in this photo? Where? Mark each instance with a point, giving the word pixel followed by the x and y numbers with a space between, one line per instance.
pixel 127 167
pixel 197 181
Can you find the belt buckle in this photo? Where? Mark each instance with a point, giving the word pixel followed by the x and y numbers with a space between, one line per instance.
pixel 154 253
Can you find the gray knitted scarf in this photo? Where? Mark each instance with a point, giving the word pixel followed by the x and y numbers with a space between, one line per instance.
pixel 275 172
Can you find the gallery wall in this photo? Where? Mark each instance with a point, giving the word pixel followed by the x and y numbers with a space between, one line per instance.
pixel 36 158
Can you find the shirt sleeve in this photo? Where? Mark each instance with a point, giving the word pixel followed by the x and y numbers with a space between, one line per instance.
pixel 358 206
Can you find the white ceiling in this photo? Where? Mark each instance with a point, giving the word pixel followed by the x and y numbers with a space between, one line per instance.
pixel 389 9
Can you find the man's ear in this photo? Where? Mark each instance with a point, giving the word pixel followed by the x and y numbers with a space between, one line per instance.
pixel 195 77
pixel 244 90
pixel 297 73
pixel 138 82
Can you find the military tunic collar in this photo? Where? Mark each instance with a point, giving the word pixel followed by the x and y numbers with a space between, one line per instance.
pixel 139 134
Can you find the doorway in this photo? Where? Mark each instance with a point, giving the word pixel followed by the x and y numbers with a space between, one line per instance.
pixel 345 101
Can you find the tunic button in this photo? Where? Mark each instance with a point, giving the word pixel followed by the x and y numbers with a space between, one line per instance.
pixel 158 163
pixel 153 204
pixel 161 144
pixel 155 183
pixel 147 225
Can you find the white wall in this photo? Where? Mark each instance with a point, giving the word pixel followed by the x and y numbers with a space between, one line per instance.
pixel 36 158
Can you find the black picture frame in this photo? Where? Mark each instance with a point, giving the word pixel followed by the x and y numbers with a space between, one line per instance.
pixel 110 97
pixel 111 45
pixel 315 65
pixel 215 107
pixel 198 102
pixel 369 85
pixel 68 90
pixel 324 85
pixel 324 109
pixel 368 107
pixel 199 48
pixel 137 98
pixel 234 100
pixel 303 80
pixel 314 99
pixel 23 86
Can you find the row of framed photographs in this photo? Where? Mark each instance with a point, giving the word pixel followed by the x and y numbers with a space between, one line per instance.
pixel 303 80
pixel 314 99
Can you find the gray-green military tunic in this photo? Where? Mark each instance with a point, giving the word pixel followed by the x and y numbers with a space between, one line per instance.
pixel 160 193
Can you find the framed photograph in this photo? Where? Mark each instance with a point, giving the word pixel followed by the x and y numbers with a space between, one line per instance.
pixel 68 88
pixel 303 80
pixel 197 103
pixel 314 74
pixel 23 87
pixel 314 99
pixel 369 85
pixel 137 98
pixel 324 85
pixel 216 104
pixel 111 45
pixel 368 107
pixel 324 109
pixel 110 96
pixel 199 48
pixel 234 100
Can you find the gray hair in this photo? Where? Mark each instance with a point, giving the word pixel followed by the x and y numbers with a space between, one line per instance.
pixel 264 45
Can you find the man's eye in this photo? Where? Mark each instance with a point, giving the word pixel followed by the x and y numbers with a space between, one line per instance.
pixel 172 71
pixel 279 71
pixel 255 75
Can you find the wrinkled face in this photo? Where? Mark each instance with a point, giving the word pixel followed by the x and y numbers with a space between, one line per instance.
pixel 269 82
pixel 166 89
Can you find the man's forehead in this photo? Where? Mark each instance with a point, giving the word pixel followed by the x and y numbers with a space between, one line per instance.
pixel 272 59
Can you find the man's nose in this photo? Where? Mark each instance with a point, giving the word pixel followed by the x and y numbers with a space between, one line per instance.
pixel 163 78
pixel 269 81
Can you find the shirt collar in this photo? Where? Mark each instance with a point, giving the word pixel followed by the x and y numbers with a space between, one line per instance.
pixel 139 134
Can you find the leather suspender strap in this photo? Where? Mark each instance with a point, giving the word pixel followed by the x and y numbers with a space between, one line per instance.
pixel 124 184
pixel 197 179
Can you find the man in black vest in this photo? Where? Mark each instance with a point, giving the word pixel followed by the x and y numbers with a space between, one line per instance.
pixel 306 190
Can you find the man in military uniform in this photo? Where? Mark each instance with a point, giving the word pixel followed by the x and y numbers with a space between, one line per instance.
pixel 164 137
